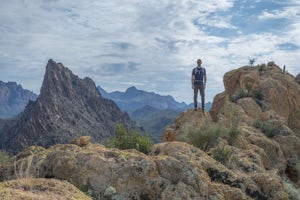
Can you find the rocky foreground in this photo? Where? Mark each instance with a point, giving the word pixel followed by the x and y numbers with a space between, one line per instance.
pixel 173 170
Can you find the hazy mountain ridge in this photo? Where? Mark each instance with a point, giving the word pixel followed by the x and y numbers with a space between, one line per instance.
pixel 134 98
pixel 13 99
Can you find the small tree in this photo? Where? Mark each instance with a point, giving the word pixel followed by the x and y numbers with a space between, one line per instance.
pixel 130 140
pixel 251 61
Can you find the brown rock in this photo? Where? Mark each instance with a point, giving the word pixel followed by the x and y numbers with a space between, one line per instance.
pixel 298 78
pixel 173 170
pixel 46 189
pixel 82 141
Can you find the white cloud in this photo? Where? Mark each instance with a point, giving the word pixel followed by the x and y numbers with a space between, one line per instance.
pixel 287 13
pixel 156 43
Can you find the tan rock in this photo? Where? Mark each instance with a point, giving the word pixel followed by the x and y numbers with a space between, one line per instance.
pixel 82 141
pixel 46 189
pixel 173 170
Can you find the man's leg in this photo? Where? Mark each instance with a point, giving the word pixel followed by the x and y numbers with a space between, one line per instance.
pixel 195 96
pixel 202 93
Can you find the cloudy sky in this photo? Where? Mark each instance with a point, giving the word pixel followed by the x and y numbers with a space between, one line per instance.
pixel 151 44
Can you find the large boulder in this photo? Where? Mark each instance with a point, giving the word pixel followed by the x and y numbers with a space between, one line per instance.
pixel 46 189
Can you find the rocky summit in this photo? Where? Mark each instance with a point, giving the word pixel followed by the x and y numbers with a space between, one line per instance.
pixel 66 108
pixel 261 109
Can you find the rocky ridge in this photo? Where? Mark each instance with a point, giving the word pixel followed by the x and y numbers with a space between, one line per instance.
pixel 264 105
pixel 66 108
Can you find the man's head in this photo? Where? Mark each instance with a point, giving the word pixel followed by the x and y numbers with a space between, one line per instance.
pixel 199 62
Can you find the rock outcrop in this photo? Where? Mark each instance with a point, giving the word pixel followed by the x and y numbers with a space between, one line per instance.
pixel 13 99
pixel 263 105
pixel 46 189
pixel 173 170
pixel 66 108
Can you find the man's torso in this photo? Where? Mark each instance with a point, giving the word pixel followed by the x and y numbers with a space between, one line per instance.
pixel 199 74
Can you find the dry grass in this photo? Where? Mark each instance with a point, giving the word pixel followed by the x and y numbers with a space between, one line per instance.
pixel 46 189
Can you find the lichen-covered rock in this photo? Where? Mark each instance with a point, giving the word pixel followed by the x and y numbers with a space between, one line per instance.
pixel 46 189
pixel 173 170
pixel 298 78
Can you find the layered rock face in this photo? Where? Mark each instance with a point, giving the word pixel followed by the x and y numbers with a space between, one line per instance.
pixel 13 99
pixel 66 108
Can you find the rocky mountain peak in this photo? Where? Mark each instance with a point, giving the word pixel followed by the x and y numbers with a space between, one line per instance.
pixel 66 108
pixel 59 81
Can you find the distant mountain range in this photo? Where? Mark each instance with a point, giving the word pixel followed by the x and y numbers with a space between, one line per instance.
pixel 133 99
pixel 13 99
pixel 151 111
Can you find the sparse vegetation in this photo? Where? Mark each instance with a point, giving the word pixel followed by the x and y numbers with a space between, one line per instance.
pixel 4 157
pixel 223 154
pixel 258 95
pixel 294 193
pixel 130 140
pixel 251 61
pixel 261 67
pixel 269 128
pixel 204 137
pixel 241 93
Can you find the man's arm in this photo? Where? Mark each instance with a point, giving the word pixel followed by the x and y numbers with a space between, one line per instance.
pixel 193 79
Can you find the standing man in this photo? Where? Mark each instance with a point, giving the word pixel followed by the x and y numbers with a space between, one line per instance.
pixel 198 83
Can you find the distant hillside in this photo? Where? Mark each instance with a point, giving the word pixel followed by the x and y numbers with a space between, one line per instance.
pixel 154 120
pixel 13 99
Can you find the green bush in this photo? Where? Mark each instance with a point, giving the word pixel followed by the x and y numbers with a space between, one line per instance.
pixel 261 67
pixel 258 94
pixel 269 128
pixel 294 193
pixel 130 140
pixel 4 157
pixel 241 93
pixel 204 137
pixel 222 155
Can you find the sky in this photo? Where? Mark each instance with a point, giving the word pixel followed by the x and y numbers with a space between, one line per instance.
pixel 153 44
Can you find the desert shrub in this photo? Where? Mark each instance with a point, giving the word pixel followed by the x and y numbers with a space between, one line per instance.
pixel 4 157
pixel 130 140
pixel 258 94
pixel 223 154
pixel 233 130
pixel 269 128
pixel 204 137
pixel 294 193
pixel 261 67
pixel 241 93
pixel 233 134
